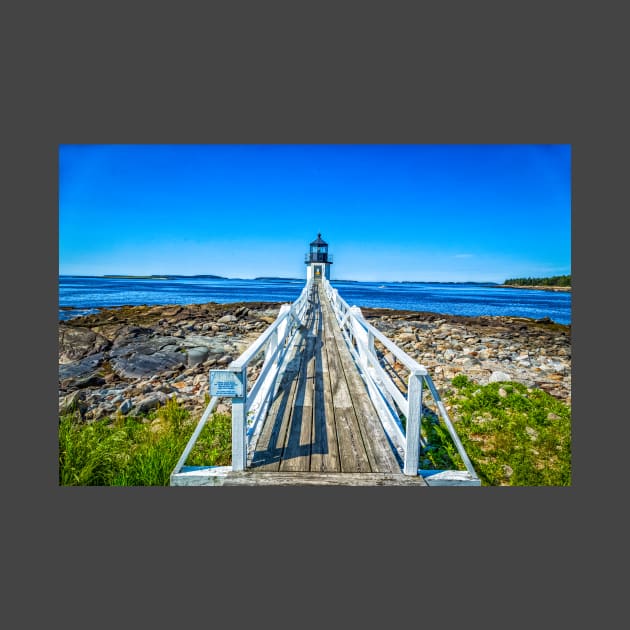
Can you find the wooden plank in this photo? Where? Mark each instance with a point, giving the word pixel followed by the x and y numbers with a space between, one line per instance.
pixel 379 449
pixel 336 399
pixel 282 421
pixel 271 441
pixel 377 445
pixel 352 454
pixel 254 478
pixel 224 476
pixel 297 449
pixel 339 387
pixel 324 450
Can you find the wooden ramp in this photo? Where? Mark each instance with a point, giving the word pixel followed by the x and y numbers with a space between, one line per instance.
pixel 321 427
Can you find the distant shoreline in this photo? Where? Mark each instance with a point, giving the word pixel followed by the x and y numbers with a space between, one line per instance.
pixel 152 277
pixel 537 287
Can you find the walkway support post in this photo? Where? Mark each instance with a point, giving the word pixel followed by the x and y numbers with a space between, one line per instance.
pixel 414 422
pixel 239 424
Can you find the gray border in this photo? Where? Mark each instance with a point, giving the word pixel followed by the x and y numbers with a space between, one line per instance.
pixel 154 73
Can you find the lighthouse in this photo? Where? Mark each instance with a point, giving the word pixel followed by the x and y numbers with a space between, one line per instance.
pixel 318 261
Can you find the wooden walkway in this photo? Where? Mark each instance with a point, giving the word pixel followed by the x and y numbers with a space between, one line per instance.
pixel 321 427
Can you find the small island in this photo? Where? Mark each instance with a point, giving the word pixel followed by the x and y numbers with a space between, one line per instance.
pixel 161 277
pixel 552 283
pixel 122 277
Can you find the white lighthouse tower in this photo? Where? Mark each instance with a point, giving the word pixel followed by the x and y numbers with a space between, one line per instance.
pixel 318 261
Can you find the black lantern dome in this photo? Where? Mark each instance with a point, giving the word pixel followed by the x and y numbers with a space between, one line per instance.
pixel 318 252
pixel 319 242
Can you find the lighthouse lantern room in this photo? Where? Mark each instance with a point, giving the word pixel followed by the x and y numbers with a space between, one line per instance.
pixel 318 260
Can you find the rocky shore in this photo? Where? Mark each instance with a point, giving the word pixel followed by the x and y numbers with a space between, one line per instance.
pixel 536 353
pixel 130 360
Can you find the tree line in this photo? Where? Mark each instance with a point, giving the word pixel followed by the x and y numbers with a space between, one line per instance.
pixel 552 281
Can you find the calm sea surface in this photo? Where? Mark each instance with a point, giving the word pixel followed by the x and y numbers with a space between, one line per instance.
pixel 85 294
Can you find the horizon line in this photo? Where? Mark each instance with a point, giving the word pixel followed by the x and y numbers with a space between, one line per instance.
pixel 210 275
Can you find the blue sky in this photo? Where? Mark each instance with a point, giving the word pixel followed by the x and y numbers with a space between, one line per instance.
pixel 444 213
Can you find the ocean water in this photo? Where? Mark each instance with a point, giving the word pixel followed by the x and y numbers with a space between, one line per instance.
pixel 80 295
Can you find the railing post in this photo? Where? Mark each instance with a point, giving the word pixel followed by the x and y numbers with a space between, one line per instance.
pixel 239 424
pixel 414 422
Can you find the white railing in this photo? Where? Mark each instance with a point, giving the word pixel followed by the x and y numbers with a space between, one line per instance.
pixel 387 397
pixel 250 408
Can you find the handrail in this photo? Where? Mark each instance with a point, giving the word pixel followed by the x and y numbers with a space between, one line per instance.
pixel 360 336
pixel 248 409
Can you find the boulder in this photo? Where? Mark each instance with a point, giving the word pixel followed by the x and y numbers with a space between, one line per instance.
pixel 140 365
pixel 150 402
pixel 197 356
pixel 497 377
pixel 127 334
pixel 92 380
pixel 76 343
pixel 75 401
pixel 81 368
pixel 226 319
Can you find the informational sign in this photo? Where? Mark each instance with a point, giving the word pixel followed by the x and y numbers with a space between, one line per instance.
pixel 225 383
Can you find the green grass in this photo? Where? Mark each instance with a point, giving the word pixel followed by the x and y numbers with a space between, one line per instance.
pixel 138 451
pixel 521 438
pixel 512 435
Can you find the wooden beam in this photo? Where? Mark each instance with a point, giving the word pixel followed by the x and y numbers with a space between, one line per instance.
pixel 297 449
pixel 253 478
pixel 325 449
